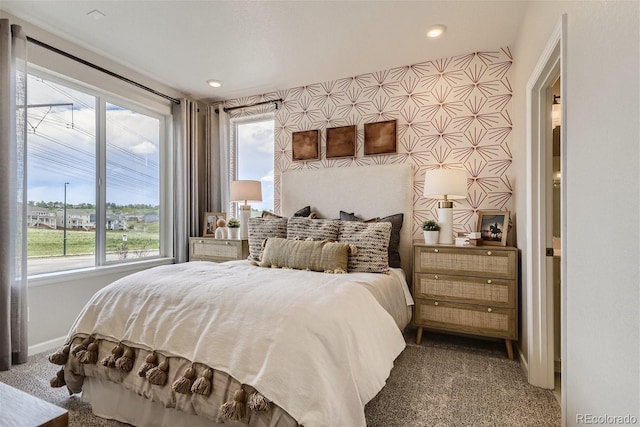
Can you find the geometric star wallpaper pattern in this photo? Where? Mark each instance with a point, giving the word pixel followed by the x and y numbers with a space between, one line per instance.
pixel 450 113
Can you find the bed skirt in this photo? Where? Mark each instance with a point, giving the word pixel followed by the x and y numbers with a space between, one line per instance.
pixel 127 397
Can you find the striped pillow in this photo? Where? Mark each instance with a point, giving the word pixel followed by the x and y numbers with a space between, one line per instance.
pixel 262 228
pixel 314 229
pixel 394 241
pixel 372 241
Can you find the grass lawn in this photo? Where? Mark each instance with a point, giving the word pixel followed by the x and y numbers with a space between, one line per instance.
pixel 49 243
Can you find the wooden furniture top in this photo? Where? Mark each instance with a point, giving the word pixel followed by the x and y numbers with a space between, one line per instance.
pixel 19 409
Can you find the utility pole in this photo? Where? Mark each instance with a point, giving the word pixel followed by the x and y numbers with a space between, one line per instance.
pixel 64 215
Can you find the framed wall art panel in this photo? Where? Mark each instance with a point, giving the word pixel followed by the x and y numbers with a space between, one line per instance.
pixel 380 138
pixel 305 145
pixel 341 141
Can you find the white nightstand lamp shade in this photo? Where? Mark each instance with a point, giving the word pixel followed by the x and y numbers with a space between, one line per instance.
pixel 245 191
pixel 445 185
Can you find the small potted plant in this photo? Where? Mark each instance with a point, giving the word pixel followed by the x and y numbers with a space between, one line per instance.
pixel 233 225
pixel 431 231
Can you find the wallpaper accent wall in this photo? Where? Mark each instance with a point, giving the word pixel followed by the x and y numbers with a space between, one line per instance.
pixel 451 113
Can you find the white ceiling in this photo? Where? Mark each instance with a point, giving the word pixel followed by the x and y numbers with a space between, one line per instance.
pixel 259 46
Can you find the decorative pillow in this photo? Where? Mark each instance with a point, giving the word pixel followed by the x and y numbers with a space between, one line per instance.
pixel 394 241
pixel 314 229
pixel 372 241
pixel 329 257
pixel 262 228
pixel 305 212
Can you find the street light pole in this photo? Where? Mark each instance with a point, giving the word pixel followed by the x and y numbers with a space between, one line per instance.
pixel 64 219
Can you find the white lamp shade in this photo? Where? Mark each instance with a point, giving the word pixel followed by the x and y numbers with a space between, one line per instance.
pixel 246 191
pixel 451 183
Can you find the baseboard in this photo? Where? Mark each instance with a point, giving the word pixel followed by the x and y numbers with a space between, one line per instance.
pixel 523 362
pixel 47 345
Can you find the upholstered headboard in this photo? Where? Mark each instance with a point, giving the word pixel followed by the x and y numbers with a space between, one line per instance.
pixel 367 191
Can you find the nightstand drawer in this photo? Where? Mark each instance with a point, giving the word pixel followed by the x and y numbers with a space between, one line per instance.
pixel 217 250
pixel 489 262
pixel 474 290
pixel 467 318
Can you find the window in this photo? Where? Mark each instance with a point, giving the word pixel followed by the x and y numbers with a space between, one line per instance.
pixel 93 177
pixel 255 157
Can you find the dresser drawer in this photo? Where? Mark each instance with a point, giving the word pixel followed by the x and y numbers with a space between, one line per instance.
pixel 474 290
pixel 489 262
pixel 466 318
pixel 217 250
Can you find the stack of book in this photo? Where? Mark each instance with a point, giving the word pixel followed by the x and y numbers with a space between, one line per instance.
pixel 469 239
pixel 475 238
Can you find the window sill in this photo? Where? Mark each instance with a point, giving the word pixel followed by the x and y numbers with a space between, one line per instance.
pixel 93 272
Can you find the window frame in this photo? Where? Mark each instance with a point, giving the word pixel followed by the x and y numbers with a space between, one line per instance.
pixel 102 98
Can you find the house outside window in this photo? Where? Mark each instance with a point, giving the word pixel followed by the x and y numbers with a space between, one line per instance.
pixel 93 170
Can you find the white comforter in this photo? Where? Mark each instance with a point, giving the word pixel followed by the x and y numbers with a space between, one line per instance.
pixel 318 345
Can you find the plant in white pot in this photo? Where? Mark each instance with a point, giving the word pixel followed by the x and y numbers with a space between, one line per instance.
pixel 233 225
pixel 431 231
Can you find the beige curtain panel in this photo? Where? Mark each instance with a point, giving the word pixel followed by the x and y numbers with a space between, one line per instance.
pixel 13 197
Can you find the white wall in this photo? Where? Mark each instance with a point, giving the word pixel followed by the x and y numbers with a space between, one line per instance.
pixel 601 367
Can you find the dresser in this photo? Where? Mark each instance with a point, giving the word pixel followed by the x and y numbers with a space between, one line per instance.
pixel 466 290
pixel 217 250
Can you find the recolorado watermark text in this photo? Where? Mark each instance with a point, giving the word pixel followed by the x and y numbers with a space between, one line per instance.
pixel 585 419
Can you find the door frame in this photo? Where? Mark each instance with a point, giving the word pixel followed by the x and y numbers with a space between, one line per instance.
pixel 550 66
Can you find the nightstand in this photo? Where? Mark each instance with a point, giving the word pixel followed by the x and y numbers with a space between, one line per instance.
pixel 217 250
pixel 467 290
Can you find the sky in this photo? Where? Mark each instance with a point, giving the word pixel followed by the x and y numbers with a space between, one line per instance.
pixel 61 149
pixel 255 158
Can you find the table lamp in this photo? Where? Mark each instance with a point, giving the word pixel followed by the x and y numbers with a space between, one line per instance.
pixel 245 191
pixel 445 185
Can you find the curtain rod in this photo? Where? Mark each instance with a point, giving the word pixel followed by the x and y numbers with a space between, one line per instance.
pixel 275 101
pixel 104 70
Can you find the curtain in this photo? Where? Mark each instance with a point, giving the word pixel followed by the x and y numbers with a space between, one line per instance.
pixel 13 245
pixel 222 148
pixel 188 183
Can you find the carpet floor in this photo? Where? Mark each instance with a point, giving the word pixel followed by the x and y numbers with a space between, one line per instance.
pixel 445 381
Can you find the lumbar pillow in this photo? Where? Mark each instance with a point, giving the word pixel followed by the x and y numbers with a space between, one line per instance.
pixel 329 257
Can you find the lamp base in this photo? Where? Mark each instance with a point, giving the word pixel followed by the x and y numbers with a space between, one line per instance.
pixel 445 220
pixel 245 214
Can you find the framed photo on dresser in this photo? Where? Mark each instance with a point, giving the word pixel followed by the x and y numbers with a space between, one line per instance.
pixel 493 227
pixel 210 223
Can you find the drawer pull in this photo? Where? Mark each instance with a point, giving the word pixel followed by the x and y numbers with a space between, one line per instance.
pixel 200 241
pixel 489 282
pixel 489 253
pixel 436 250
pixel 436 277
pixel 227 243
pixel 489 310
pixel 435 303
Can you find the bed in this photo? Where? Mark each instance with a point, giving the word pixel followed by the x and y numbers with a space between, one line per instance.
pixel 206 344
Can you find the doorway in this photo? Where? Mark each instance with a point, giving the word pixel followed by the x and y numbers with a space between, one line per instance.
pixel 554 148
pixel 542 320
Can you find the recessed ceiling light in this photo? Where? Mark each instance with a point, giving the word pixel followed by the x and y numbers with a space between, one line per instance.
pixel 96 14
pixel 214 83
pixel 435 31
